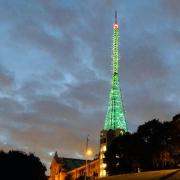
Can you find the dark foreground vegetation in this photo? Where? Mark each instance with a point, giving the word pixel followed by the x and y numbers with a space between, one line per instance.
pixel 154 146
pixel 21 166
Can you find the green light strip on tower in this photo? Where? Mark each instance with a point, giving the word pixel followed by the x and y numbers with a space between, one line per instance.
pixel 115 117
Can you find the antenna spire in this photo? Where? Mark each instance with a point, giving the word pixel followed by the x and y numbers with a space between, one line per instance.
pixel 115 16
pixel 115 22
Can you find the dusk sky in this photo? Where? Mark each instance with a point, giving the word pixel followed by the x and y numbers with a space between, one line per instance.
pixel 56 67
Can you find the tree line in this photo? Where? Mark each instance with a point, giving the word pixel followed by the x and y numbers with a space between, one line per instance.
pixel 155 145
pixel 21 166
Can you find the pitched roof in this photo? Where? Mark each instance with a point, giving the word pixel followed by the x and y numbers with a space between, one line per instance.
pixel 71 163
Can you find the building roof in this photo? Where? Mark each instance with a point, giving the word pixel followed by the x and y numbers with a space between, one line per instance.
pixel 71 163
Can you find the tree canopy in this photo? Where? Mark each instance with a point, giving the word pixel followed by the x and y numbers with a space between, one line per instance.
pixel 155 145
pixel 19 165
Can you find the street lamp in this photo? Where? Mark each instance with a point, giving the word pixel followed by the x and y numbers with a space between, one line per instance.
pixel 88 152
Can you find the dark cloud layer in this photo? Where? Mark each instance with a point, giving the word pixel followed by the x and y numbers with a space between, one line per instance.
pixel 6 78
pixel 55 70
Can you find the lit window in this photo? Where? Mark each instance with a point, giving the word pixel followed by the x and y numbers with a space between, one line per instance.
pixel 104 173
pixel 104 148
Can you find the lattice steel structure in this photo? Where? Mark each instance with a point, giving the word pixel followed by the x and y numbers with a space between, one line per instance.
pixel 115 117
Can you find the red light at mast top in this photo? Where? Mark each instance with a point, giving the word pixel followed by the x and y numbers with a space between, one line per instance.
pixel 115 25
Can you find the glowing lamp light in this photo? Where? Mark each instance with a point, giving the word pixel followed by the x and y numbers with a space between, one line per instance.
pixel 104 165
pixel 51 153
pixel 88 152
pixel 115 25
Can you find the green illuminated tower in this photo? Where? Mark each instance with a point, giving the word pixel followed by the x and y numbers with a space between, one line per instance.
pixel 115 121
pixel 115 118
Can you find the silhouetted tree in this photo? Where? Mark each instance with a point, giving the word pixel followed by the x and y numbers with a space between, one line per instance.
pixel 124 154
pixel 155 145
pixel 19 165
pixel 151 135
pixel 175 138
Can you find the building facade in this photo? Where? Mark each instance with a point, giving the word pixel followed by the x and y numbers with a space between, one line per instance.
pixel 69 168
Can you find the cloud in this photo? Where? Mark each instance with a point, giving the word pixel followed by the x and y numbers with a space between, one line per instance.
pixel 56 72
pixel 6 78
pixel 172 7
